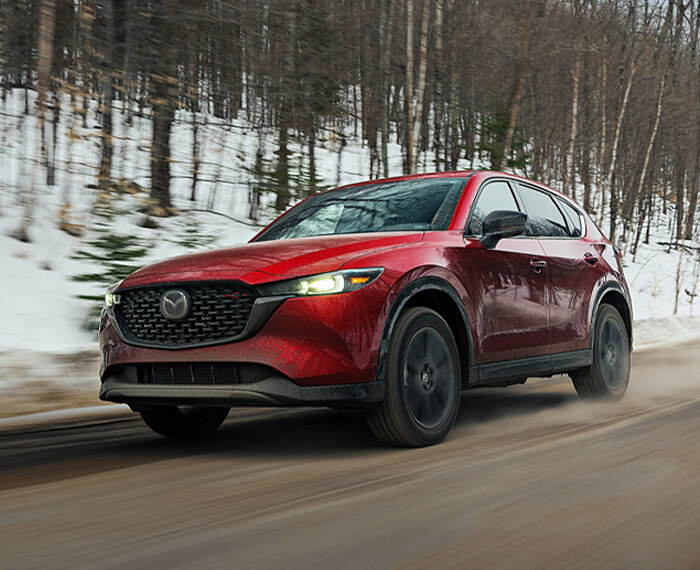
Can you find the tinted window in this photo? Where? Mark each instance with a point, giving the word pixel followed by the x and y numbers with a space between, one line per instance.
pixel 494 196
pixel 407 205
pixel 573 218
pixel 543 216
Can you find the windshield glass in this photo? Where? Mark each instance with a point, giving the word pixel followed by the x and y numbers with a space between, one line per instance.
pixel 407 205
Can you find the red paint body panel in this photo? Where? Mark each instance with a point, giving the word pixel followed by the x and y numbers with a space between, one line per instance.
pixel 511 301
pixel 513 311
pixel 293 257
pixel 329 339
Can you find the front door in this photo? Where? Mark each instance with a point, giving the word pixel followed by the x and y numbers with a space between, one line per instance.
pixel 509 285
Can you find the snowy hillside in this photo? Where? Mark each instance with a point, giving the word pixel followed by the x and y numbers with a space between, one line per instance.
pixel 39 302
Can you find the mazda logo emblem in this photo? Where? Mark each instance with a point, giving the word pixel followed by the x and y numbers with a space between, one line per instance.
pixel 175 304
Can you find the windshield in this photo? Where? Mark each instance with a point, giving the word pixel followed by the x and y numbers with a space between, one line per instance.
pixel 406 205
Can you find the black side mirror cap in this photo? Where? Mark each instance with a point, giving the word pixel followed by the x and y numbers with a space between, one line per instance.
pixel 501 224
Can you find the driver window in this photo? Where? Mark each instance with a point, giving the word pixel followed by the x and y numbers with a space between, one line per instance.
pixel 495 195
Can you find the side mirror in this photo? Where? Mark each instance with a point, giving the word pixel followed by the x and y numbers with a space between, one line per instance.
pixel 501 224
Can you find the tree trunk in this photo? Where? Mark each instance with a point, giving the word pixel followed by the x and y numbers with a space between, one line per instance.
pixel 288 85
pixel 680 196
pixel 613 156
pixel 652 138
pixel 312 162
pixel 613 208
pixel 452 148
pixel 283 193
pixel 163 115
pixel 570 171
pixel 162 98
pixel 51 158
pixel 420 93
pixel 195 153
pixel 106 74
pixel 410 143
pixel 599 199
pixel 385 36
pixel 47 22
pixel 621 116
pixel 501 159
pixel 437 95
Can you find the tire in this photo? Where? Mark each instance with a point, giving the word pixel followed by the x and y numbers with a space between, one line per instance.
pixel 609 374
pixel 184 421
pixel 423 382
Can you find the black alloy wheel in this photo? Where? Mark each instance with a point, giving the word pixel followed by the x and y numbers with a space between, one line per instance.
pixel 608 375
pixel 423 382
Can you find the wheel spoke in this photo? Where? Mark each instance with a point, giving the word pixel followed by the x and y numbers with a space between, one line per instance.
pixel 423 341
pixel 412 368
pixel 605 335
pixel 435 349
pixel 414 362
pixel 441 396
pixel 429 409
pixel 428 376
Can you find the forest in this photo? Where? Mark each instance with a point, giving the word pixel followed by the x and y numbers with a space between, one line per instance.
pixel 597 98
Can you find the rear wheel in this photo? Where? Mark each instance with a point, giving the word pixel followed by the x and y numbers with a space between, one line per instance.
pixel 184 421
pixel 608 375
pixel 422 382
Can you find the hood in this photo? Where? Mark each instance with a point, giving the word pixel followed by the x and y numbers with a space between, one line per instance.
pixel 283 258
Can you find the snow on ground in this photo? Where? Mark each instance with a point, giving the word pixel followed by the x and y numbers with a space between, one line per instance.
pixel 652 280
pixel 42 336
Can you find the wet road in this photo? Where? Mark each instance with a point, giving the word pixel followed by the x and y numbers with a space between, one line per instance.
pixel 529 477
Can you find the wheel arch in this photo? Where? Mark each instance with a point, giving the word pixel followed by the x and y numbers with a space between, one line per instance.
pixel 436 294
pixel 612 293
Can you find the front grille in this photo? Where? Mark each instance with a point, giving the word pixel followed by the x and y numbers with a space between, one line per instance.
pixel 179 373
pixel 220 312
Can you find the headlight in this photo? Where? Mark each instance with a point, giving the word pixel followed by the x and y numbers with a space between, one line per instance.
pixel 323 284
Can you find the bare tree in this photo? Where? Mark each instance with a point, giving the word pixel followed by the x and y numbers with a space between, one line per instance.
pixel 47 15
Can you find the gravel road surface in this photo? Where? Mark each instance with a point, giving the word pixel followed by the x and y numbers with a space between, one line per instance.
pixel 529 477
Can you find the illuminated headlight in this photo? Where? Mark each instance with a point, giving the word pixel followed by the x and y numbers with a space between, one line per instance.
pixel 323 284
pixel 112 299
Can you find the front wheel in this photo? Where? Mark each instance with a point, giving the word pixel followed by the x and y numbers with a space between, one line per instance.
pixel 609 374
pixel 184 421
pixel 422 382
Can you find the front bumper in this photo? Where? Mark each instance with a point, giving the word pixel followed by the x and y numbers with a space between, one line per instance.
pixel 273 391
pixel 308 342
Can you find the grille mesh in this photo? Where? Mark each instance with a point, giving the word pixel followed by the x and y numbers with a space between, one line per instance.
pixel 220 312
pixel 182 373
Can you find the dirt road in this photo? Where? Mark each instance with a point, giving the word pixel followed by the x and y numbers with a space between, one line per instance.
pixel 530 477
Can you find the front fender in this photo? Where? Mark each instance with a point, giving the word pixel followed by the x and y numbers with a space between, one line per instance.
pixel 418 281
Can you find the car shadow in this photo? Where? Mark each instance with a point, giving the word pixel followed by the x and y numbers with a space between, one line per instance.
pixel 489 404
pixel 298 434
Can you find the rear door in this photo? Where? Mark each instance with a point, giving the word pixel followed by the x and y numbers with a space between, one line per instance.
pixel 574 265
pixel 509 284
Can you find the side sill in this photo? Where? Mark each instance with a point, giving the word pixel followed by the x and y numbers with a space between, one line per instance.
pixel 534 366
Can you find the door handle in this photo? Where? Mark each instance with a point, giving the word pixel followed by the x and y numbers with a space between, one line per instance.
pixel 590 258
pixel 538 265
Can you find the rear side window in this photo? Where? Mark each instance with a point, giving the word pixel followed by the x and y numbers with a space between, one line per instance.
pixel 573 218
pixel 544 219
pixel 495 195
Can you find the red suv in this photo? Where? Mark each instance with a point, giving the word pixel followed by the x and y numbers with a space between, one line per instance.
pixel 388 296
